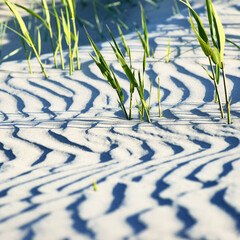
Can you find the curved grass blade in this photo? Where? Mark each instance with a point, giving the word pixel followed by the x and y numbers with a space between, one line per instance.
pixel 99 27
pixel 112 14
pixel 14 52
pixel 125 67
pixel 145 31
pixel 220 35
pixel 233 43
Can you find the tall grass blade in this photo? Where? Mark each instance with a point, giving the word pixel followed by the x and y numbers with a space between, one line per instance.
pixel 220 35
pixel 39 41
pixel 145 31
pixel 168 49
pixel 115 43
pixel 67 32
pixel 72 7
pixel 127 49
pixel 99 27
pixel 59 34
pixel 125 67
pixel 97 52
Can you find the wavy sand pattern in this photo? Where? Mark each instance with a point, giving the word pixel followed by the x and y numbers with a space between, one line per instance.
pixel 176 178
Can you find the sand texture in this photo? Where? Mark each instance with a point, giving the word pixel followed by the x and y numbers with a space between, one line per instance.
pixel 175 178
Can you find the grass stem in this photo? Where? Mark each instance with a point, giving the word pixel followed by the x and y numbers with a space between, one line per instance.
pixel 216 88
pixel 226 95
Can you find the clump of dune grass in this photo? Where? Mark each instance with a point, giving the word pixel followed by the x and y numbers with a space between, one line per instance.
pixel 215 55
pixel 71 5
pixel 108 73
pixel 47 22
pixel 25 33
pixel 65 19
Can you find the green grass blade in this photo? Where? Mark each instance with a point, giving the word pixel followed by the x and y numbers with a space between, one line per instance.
pixel 141 39
pixel 219 32
pixel 217 73
pixel 112 14
pixel 233 43
pixel 25 33
pixel 105 72
pixel 168 50
pixel 210 20
pixel 75 49
pixel 145 31
pixel 71 5
pixel 201 30
pixel 99 27
pixel 206 48
pixel 46 10
pixel 66 29
pixel 33 14
pixel 125 67
pixel 97 52
pixel 115 43
pixel 14 52
pixel 144 105
pixel 39 41
pixel 206 71
pixel 127 49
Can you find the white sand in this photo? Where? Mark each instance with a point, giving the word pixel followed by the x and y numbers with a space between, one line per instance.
pixel 174 178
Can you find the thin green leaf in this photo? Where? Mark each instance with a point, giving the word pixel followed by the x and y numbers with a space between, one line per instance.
pixel 33 14
pixel 75 46
pixel 123 40
pixel 105 72
pixel 97 52
pixel 97 18
pixel 141 39
pixel 145 31
pixel 206 71
pixel 204 45
pixel 219 32
pixel 233 43
pixel 120 93
pixel 14 52
pixel 66 29
pixel 217 74
pixel 115 43
pixel 125 67
pixel 168 49
pixel 112 14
